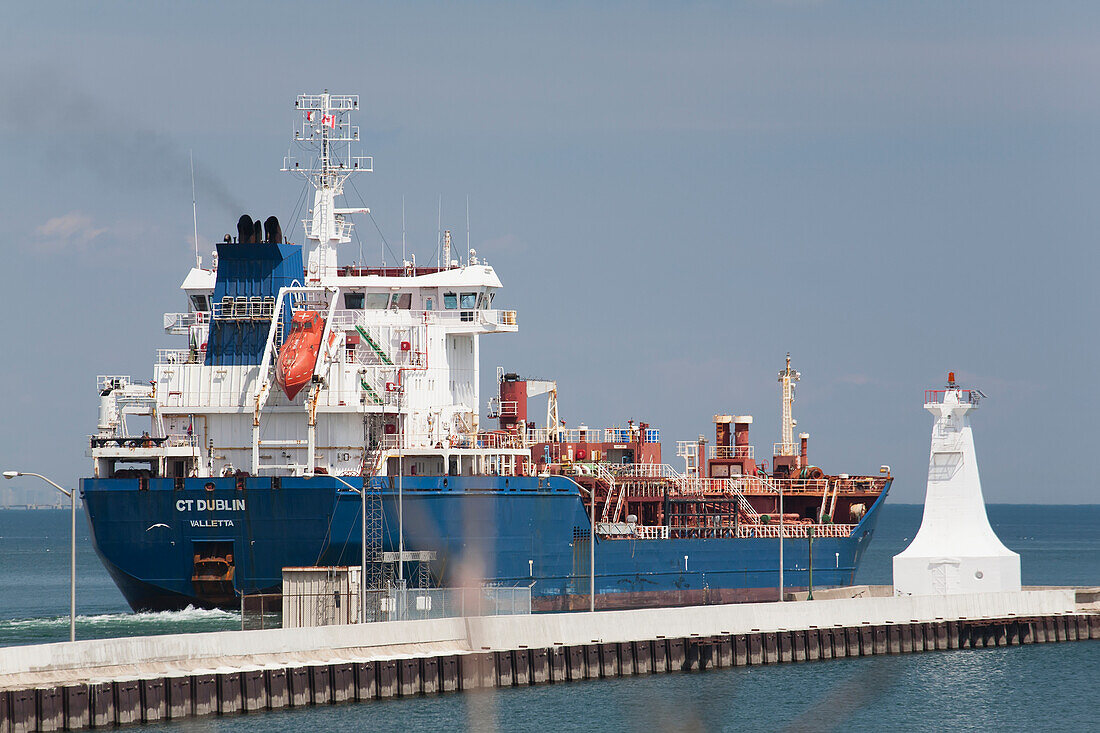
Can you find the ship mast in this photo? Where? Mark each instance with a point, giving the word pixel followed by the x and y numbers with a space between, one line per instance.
pixel 787 378
pixel 326 131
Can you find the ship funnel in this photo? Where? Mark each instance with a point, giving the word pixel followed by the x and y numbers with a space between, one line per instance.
pixel 245 230
pixel 273 234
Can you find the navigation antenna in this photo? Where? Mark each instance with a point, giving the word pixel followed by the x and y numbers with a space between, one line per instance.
pixel 195 211
pixel 325 129
pixel 787 378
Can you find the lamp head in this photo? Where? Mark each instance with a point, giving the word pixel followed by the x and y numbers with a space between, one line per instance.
pixel 11 474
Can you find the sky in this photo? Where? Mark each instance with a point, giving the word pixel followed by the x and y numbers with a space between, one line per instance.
pixel 675 195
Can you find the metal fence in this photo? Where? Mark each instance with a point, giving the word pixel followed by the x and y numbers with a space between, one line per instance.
pixel 261 611
pixel 396 604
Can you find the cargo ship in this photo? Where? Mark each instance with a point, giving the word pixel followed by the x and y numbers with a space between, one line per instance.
pixel 322 414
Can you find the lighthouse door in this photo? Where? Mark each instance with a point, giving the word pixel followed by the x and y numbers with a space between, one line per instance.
pixel 945 576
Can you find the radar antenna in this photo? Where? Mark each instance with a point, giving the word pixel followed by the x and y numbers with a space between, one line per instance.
pixel 787 378
pixel 325 129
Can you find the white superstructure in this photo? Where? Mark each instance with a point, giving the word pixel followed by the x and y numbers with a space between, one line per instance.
pixel 397 374
pixel 955 550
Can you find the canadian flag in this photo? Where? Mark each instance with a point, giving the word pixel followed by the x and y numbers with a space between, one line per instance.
pixel 329 120
pixel 310 116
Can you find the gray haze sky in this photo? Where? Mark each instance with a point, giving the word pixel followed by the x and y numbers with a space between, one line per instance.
pixel 674 196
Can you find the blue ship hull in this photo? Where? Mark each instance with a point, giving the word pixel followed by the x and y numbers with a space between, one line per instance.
pixel 502 531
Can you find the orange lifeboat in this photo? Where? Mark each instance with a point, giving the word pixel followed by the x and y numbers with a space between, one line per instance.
pixel 298 357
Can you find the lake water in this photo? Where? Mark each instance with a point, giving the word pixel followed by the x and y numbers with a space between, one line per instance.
pixel 1045 687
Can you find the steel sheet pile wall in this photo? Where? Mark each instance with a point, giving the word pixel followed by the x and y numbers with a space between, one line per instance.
pixel 363 674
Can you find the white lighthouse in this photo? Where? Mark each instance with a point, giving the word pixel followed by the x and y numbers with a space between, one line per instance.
pixel 955 550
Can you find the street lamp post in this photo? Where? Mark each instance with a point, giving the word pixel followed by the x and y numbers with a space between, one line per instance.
pixel 780 542
pixel 72 544
pixel 591 547
pixel 362 491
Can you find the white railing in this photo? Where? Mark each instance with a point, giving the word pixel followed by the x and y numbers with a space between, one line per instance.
pixel 251 308
pixel 644 470
pixel 180 356
pixel 179 324
pixel 794 531
pixel 732 451
pixel 481 441
pixel 685 448
pixel 650 533
pixel 586 435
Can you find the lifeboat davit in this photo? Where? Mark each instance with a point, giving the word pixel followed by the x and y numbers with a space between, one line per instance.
pixel 298 357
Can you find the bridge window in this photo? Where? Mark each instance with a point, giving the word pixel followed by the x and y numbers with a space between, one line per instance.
pixel 401 300
pixel 377 301
pixel 200 303
pixel 450 301
pixel 469 300
pixel 353 301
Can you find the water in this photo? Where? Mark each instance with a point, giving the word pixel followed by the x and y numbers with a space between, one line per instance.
pixel 1011 688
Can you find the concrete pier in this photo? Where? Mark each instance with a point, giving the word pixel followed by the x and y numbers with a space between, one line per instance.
pixel 102 683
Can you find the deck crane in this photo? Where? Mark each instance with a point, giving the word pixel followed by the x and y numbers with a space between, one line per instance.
pixel 548 387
